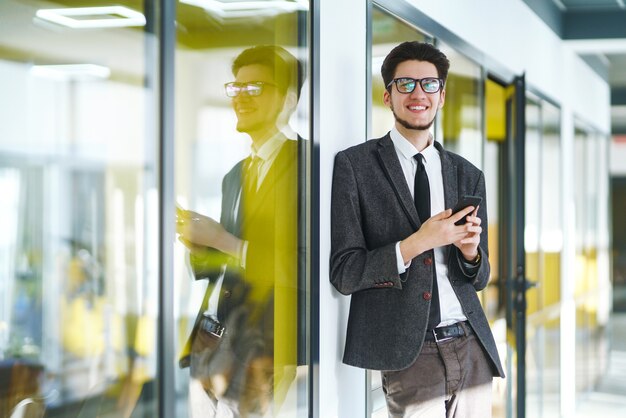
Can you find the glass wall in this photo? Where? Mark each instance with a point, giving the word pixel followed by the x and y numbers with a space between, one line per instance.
pixel 591 198
pixel 387 32
pixel 241 282
pixel 78 254
pixel 459 126
pixel 462 116
pixel 543 245
pixel 494 297
pixel 78 171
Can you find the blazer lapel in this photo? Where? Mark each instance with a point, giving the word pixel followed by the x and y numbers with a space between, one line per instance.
pixel 285 161
pixel 448 172
pixel 231 199
pixel 391 167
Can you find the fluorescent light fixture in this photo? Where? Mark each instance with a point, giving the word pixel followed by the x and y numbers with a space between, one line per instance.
pixel 70 71
pixel 235 9
pixel 93 17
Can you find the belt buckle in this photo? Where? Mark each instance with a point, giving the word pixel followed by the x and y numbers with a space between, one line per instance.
pixel 218 331
pixel 439 340
pixel 215 328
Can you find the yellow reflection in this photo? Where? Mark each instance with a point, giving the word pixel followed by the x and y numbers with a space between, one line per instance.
pixel 495 97
pixel 243 349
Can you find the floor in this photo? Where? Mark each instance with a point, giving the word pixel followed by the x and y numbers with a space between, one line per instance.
pixel 609 398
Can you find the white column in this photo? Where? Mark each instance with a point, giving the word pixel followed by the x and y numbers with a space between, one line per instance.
pixel 342 121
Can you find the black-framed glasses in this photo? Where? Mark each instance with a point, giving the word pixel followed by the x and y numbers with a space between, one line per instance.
pixel 253 88
pixel 406 85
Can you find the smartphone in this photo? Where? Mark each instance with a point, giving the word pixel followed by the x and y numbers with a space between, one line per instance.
pixel 464 202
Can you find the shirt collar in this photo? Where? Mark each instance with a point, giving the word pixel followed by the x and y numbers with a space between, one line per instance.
pixel 408 150
pixel 270 147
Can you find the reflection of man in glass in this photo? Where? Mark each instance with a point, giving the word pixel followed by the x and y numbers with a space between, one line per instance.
pixel 242 351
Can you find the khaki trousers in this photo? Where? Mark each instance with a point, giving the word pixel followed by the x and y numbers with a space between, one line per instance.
pixel 449 379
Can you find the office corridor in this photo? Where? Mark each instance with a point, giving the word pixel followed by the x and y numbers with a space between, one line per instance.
pixel 609 398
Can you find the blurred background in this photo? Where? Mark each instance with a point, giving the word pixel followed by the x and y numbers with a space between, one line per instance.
pixel 92 296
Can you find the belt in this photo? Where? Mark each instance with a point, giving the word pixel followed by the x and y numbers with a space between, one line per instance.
pixel 208 336
pixel 211 326
pixel 449 332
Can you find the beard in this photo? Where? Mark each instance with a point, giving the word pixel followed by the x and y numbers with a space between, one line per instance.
pixel 409 125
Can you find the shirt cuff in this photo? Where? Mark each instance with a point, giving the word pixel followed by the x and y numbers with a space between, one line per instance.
pixel 400 261
pixel 470 269
pixel 243 252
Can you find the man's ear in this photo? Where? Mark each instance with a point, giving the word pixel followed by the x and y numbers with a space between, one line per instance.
pixel 442 99
pixel 387 98
pixel 291 100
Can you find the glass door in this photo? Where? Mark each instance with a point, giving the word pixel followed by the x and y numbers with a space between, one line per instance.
pixel 517 283
pixel 505 299
pixel 242 188
pixel 79 185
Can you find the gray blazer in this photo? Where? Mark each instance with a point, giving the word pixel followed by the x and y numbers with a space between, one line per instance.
pixel 372 209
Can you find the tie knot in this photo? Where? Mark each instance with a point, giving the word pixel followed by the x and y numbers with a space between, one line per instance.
pixel 251 174
pixel 419 157
pixel 256 160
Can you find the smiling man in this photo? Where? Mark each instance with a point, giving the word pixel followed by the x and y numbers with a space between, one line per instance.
pixel 243 351
pixel 412 273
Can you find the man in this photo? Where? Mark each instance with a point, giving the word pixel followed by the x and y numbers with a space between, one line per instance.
pixel 397 251
pixel 242 351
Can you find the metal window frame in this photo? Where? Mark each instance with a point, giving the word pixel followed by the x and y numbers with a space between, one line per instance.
pixel 166 32
pixel 314 202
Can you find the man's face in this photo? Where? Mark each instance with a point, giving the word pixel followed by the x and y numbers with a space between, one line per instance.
pixel 256 114
pixel 415 110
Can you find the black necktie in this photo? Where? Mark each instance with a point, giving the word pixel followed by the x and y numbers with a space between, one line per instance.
pixel 249 180
pixel 252 175
pixel 421 190
pixel 421 197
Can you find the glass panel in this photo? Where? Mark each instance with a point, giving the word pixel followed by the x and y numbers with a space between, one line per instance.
pixel 387 32
pixel 78 286
pixel 543 252
pixel 534 332
pixel 240 262
pixel 550 246
pixel 590 333
pixel 462 114
pixel 493 298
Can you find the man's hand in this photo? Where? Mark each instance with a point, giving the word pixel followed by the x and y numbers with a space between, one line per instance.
pixel 196 230
pixel 469 244
pixel 440 230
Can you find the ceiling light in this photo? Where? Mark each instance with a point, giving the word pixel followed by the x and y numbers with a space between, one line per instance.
pixel 232 9
pixel 93 17
pixel 70 71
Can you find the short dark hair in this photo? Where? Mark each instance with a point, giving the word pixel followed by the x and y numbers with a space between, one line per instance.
pixel 414 50
pixel 288 70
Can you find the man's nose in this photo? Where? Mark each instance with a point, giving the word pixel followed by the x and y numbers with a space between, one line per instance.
pixel 418 91
pixel 242 96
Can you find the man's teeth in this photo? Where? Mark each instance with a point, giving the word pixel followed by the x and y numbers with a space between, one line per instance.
pixel 417 107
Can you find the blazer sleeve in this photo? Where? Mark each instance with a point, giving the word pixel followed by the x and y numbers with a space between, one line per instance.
pixel 479 275
pixel 353 265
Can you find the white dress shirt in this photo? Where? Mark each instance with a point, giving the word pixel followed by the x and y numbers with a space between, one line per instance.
pixel 451 310
pixel 267 153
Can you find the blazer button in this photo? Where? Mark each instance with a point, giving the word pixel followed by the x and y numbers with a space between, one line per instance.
pixel 427 295
pixel 227 293
pixel 428 261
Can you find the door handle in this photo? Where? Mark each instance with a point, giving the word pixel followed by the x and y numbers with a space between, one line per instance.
pixel 529 284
